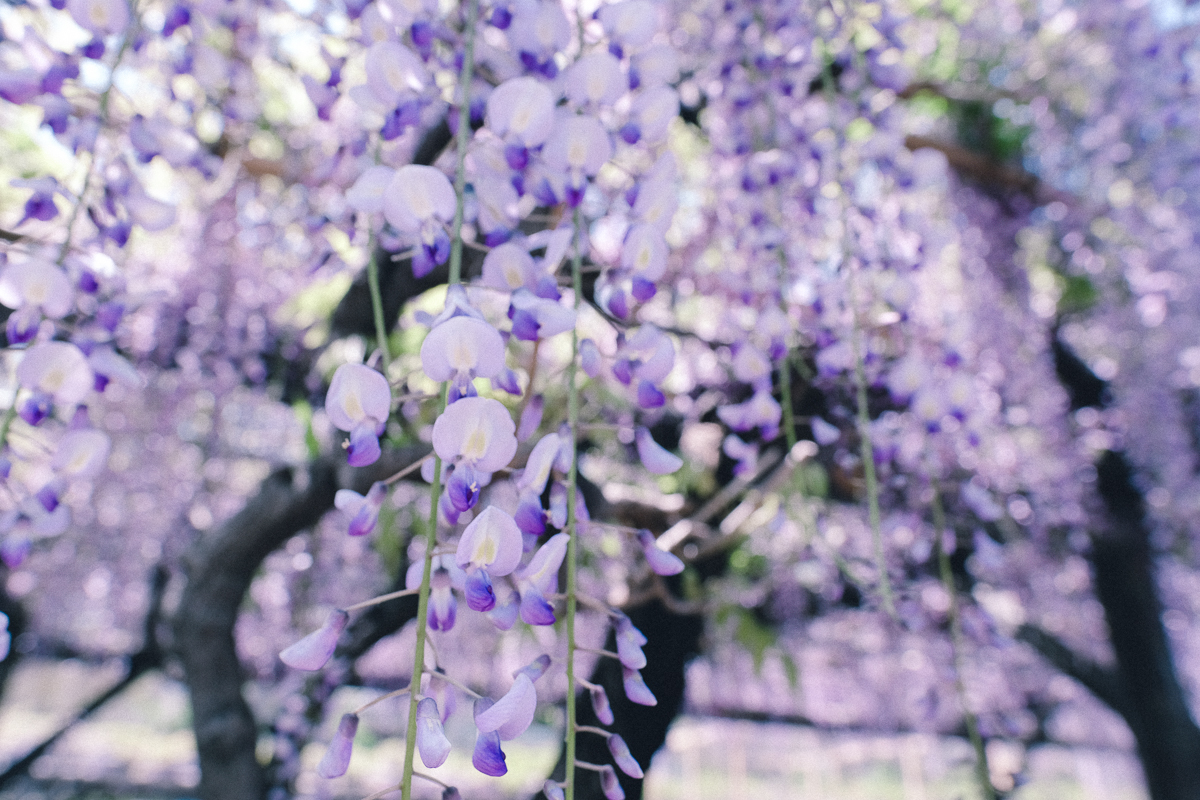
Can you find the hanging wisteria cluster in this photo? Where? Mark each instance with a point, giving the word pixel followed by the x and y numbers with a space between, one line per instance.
pixel 798 285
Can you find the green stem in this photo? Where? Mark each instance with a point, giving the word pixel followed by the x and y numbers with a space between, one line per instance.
pixel 381 336
pixel 456 247
pixel 102 119
pixel 982 772
pixel 572 544
pixel 785 372
pixel 462 139
pixel 410 741
pixel 867 454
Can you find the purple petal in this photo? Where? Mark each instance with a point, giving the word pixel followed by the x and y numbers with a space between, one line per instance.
pixel 654 457
pixel 623 758
pixel 364 445
pixel 337 757
pixel 553 791
pixel 480 596
pixel 610 785
pixel 367 516
pixel 442 605
pixel 488 758
pixel 636 689
pixel 506 381
pixel 643 289
pixel 662 562
pixel 534 608
pixel 463 488
pixel 531 417
pixel 431 738
pixel 313 651
pixel 648 395
pixel 451 793
pixel 589 357
pixel 530 517
pixel 504 614
pixel 536 668
pixel 601 706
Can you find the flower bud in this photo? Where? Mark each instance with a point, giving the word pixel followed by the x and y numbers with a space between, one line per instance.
pixel 623 758
pixel 337 757
pixel 314 651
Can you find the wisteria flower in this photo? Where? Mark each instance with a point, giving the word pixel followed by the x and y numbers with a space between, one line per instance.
pixel 661 561
pixel 521 110
pixel 431 737
pixel 577 148
pixel 536 318
pixel 359 401
pixel 81 453
pixel 363 511
pixel 539 578
pixel 445 578
pixel 596 78
pixel 58 370
pixel 419 201
pixel 38 285
pixel 490 545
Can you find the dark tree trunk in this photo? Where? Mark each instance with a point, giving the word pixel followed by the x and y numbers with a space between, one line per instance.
pixel 674 639
pixel 1143 687
pixel 1152 701
pixel 219 571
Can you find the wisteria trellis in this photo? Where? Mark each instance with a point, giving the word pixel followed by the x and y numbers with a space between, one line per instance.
pixel 826 244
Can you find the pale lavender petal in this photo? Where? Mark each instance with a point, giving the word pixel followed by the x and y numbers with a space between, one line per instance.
pixel 462 346
pixel 337 757
pixel 536 668
pixel 629 641
pixel 492 540
pixel 553 791
pixel 611 785
pixel 357 394
pixel 313 651
pixel 431 738
pixel 542 570
pixel 623 758
pixel 636 689
pixel 531 417
pixel 589 356
pixel 654 457
pixel 417 195
pixel 512 713
pixel 477 430
pixel 58 369
pixel 538 466
pixel 601 706
pixel 661 561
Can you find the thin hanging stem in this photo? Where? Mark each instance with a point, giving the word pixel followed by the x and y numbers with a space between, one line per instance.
pixel 460 183
pixel 572 530
pixel 462 139
pixel 867 449
pixel 785 372
pixel 381 336
pixel 982 772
